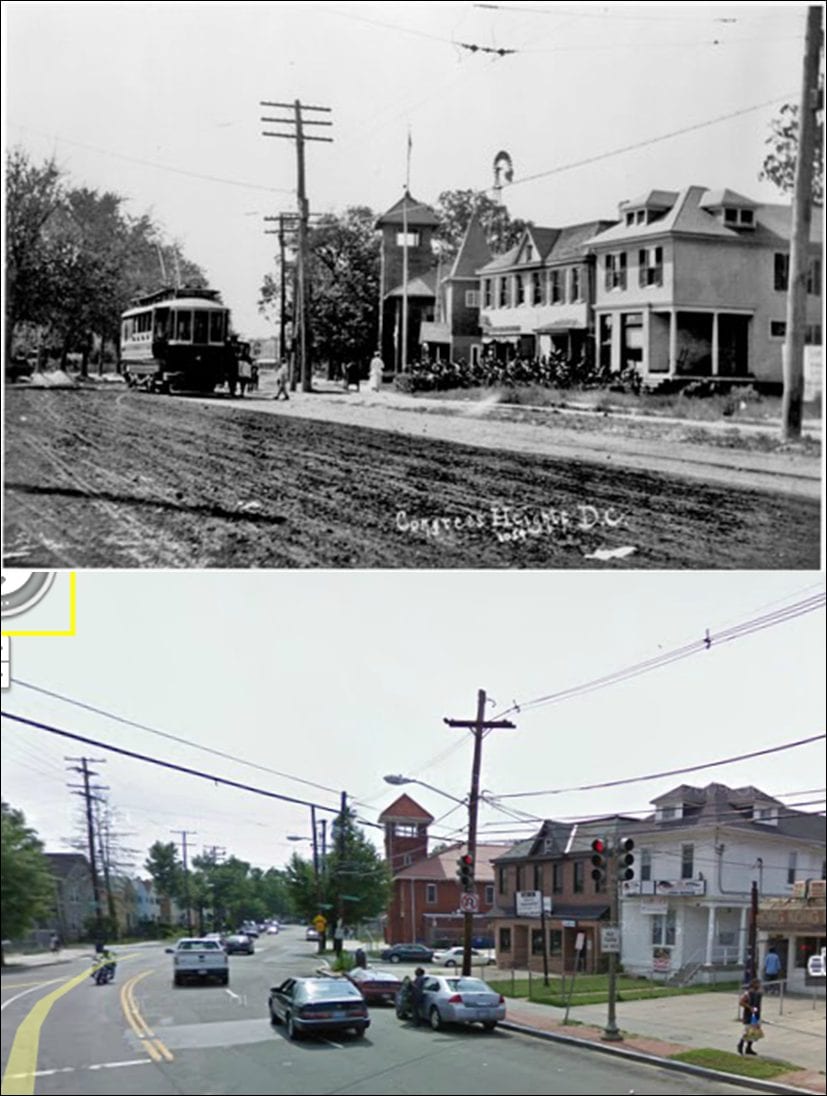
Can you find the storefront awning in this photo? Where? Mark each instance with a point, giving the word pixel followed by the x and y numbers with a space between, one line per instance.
pixel 558 327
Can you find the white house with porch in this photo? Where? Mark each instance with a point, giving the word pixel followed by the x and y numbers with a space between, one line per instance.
pixel 687 910
pixel 693 284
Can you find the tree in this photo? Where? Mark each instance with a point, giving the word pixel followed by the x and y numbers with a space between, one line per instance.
pixel 343 286
pixel 779 163
pixel 33 196
pixel 455 209
pixel 27 886
pixel 167 873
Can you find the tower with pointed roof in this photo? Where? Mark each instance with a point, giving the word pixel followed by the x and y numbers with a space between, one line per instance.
pixel 406 832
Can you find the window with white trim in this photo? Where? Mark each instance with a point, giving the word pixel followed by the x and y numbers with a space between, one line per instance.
pixel 687 861
pixel 411 236
pixel 574 284
pixel 486 292
pixel 489 894
pixel 555 289
pixel 663 929
pixel 519 289
pixel 536 288
pixel 430 894
pixel 650 266
pixel 472 298
pixel 616 270
pixel 645 864
pixel 503 292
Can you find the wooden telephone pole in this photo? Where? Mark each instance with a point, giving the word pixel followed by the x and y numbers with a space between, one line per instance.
pixel 299 136
pixel 791 410
pixel 478 726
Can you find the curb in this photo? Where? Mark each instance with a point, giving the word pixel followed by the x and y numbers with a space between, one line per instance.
pixel 755 1084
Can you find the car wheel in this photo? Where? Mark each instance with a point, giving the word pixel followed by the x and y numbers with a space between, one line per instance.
pixel 359 1032
pixel 292 1031
pixel 395 959
pixel 450 962
pixel 176 979
pixel 435 1019
pixel 225 981
pixel 489 1025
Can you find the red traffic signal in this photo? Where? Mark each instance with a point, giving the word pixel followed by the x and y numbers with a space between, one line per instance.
pixel 466 871
pixel 598 845
pixel 599 861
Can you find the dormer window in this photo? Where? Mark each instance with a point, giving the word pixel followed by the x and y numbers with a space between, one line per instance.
pixel 669 814
pixel 735 217
pixel 731 216
pixel 529 253
pixel 767 815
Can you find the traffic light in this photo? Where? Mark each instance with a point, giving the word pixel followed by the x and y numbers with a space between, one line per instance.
pixel 625 859
pixel 466 871
pixel 599 861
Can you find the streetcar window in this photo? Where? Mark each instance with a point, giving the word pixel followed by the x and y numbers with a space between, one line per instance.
pixel 161 323
pixel 127 330
pixel 183 326
pixel 216 327
pixel 200 327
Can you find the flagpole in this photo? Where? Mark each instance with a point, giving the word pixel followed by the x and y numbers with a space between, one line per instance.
pixel 404 362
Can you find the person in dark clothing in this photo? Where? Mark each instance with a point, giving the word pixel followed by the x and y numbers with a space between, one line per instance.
pixel 417 994
pixel 360 959
pixel 750 1003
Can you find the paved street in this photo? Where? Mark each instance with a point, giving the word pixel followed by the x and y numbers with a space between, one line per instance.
pixel 140 1035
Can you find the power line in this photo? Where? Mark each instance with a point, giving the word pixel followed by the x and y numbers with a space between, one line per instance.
pixel 165 764
pixel 649 141
pixel 726 635
pixel 668 772
pixel 171 737
pixel 604 13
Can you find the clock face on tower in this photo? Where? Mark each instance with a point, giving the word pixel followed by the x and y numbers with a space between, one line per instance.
pixel 23 589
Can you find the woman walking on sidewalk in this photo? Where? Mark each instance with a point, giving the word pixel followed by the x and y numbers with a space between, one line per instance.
pixel 750 1004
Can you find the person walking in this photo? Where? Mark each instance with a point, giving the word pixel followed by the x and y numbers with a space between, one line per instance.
pixel 417 995
pixel 281 382
pixel 377 368
pixel 750 1004
pixel 772 971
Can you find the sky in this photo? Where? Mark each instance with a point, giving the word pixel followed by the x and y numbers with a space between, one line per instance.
pixel 161 103
pixel 330 681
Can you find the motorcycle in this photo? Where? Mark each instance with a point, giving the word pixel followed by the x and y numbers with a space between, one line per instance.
pixel 104 973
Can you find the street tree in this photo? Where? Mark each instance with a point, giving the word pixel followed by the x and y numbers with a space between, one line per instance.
pixel 167 874
pixel 27 886
pixel 779 163
pixel 455 209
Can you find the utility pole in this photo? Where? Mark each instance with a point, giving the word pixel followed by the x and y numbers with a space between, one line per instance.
pixel 87 794
pixel 478 726
pixel 184 835
pixel 299 136
pixel 791 411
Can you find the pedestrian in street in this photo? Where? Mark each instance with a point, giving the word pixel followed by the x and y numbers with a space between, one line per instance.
pixel 54 943
pixel 281 382
pixel 245 374
pixel 772 971
pixel 750 1004
pixel 417 994
pixel 377 368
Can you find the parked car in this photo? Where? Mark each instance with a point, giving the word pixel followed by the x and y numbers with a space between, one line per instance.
pixel 452 957
pixel 250 928
pixel 406 953
pixel 239 943
pixel 375 985
pixel 457 1000
pixel 197 957
pixel 311 933
pixel 305 1005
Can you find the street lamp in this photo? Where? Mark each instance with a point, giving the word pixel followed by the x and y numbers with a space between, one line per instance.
pixel 391 779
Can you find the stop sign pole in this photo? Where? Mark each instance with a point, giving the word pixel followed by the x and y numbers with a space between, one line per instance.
pixel 478 727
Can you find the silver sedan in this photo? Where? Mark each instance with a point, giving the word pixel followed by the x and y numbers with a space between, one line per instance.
pixel 457 1000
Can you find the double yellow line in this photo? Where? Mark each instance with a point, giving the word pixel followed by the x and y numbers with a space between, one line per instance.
pixel 148 1040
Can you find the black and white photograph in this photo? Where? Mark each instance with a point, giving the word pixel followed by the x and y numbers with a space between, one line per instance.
pixel 413 286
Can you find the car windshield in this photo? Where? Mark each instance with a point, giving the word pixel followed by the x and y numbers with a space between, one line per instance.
pixel 333 987
pixel 197 945
pixel 467 985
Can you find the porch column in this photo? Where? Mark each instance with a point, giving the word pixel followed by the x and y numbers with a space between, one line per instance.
pixel 714 344
pixel 710 935
pixel 646 356
pixel 673 341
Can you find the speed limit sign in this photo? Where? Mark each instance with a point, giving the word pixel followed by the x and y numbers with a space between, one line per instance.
pixel 469 902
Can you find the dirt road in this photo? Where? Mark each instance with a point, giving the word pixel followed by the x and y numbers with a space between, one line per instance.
pixel 120 479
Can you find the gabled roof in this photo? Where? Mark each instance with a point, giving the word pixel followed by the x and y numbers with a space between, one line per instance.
pixel 543 239
pixel 405 809
pixel 424 285
pixel 571 240
pixel 473 251
pixel 419 215
pixel 442 866
pixel 500 262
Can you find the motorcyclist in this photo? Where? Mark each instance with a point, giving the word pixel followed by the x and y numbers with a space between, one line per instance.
pixel 105 968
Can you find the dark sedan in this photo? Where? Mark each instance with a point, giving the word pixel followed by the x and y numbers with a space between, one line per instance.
pixel 240 943
pixel 305 1005
pixel 407 953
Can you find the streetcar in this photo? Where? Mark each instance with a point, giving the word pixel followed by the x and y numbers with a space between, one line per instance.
pixel 178 340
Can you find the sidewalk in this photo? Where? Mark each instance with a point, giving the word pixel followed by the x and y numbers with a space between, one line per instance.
pixel 666 1026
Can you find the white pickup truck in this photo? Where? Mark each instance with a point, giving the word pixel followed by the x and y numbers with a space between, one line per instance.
pixel 195 957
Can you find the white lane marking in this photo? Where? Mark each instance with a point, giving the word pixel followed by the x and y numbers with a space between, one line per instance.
pixel 234 996
pixel 31 989
pixel 80 1069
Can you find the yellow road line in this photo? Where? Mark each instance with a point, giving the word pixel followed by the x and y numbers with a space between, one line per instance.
pixel 18 1078
pixel 151 1044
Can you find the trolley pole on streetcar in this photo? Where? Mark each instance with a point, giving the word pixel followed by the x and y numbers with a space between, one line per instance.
pixel 299 136
pixel 467 878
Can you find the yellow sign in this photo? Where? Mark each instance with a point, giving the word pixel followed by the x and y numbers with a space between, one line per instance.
pixel 320 923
